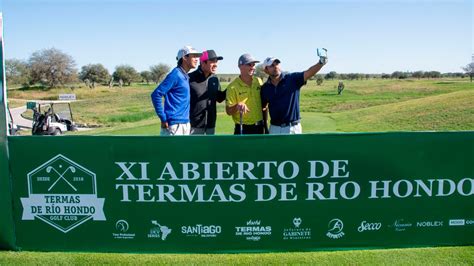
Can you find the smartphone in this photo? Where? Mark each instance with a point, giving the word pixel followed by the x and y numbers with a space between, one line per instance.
pixel 322 52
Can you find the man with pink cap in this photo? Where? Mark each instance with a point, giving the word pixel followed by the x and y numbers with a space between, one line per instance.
pixel 205 92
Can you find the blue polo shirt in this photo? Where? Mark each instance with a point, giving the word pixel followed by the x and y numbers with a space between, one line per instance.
pixel 175 89
pixel 284 99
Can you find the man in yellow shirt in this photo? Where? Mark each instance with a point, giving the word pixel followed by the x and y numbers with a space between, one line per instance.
pixel 243 100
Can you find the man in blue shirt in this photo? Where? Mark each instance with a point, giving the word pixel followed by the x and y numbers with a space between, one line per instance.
pixel 175 89
pixel 281 95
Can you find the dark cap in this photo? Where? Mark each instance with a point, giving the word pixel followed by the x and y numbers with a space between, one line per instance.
pixel 209 55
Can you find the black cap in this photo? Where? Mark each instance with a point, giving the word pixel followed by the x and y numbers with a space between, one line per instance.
pixel 210 55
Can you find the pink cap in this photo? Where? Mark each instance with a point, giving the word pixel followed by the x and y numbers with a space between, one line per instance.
pixel 204 56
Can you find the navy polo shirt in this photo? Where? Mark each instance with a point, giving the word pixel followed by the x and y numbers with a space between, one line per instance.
pixel 284 99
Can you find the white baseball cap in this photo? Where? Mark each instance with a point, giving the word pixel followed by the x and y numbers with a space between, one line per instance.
pixel 269 61
pixel 187 50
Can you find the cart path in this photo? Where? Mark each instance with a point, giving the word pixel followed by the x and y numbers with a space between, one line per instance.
pixel 18 119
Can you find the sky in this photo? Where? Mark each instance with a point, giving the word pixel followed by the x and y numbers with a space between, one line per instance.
pixel 365 36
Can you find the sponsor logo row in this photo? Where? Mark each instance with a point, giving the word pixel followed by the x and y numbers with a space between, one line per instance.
pixel 255 230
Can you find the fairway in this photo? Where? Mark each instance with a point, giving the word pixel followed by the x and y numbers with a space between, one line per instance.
pixel 373 105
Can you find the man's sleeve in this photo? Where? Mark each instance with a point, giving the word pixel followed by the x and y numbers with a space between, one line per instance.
pixel 221 95
pixel 230 99
pixel 263 97
pixel 159 92
pixel 298 79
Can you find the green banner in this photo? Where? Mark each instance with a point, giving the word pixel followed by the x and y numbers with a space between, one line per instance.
pixel 6 221
pixel 243 193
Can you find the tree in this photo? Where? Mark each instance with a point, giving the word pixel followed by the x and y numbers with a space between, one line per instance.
pixel 319 80
pixel 17 72
pixel 331 75
pixel 159 71
pixel 399 75
pixel 126 73
pixel 435 74
pixel 260 71
pixel 94 73
pixel 52 67
pixel 146 76
pixel 418 74
pixel 469 69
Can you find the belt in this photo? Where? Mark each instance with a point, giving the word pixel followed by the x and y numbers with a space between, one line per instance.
pixel 259 123
pixel 293 123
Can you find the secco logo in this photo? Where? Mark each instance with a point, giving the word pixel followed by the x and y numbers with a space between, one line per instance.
pixel 121 227
pixel 201 230
pixel 296 233
pixel 159 231
pixel 335 227
pixel 365 226
pixel 62 194
pixel 457 222
pixel 253 230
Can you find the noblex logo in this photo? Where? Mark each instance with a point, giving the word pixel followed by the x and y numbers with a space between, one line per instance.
pixel 63 194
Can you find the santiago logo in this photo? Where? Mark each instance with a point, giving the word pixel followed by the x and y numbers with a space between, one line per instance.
pixel 201 230
pixel 335 227
pixel 62 194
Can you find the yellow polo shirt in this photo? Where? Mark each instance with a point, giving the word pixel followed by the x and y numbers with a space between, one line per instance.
pixel 237 92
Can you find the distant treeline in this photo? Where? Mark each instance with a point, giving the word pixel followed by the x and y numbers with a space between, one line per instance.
pixel 395 75
pixel 52 68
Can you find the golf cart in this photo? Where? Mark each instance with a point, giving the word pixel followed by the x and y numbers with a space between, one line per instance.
pixel 56 119
pixel 12 127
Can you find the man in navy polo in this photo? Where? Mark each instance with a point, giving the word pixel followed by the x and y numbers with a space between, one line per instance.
pixel 174 115
pixel 281 95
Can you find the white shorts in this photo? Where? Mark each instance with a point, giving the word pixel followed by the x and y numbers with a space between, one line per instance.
pixel 176 130
pixel 296 129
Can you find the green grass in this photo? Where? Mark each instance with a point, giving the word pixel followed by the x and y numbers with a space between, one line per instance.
pixel 409 256
pixel 365 106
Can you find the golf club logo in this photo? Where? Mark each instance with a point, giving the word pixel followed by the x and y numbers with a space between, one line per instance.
pixel 62 194
pixel 335 227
